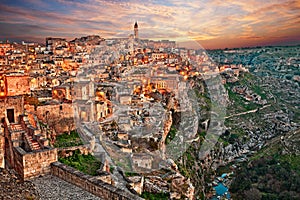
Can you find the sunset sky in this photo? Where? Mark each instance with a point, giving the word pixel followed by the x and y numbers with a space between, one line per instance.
pixel 212 23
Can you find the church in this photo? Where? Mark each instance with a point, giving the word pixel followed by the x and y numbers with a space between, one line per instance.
pixel 136 30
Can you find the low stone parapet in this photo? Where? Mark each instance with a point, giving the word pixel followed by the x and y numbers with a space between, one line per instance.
pixel 90 183
pixel 65 151
pixel 33 164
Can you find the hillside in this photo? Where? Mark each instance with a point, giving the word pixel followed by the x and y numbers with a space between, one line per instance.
pixel 272 173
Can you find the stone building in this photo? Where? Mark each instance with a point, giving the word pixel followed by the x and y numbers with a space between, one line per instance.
pixel 141 161
pixel 23 146
pixel 12 87
pixel 26 148
pixel 37 81
pixel 62 92
pixel 91 102
pixel 136 31
pixel 53 43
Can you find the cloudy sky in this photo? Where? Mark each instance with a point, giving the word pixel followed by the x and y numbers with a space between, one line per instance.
pixel 211 23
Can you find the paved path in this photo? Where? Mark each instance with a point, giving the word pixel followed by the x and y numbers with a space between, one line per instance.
pixel 53 188
pixel 12 188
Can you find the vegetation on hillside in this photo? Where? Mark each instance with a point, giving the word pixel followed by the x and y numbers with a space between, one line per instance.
pixel 272 173
pixel 155 196
pixel 171 135
pixel 87 164
pixel 267 178
pixel 68 140
pixel 238 103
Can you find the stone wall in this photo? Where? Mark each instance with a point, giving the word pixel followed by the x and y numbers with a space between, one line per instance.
pixel 2 149
pixel 15 103
pixel 58 116
pixel 68 151
pixel 90 183
pixel 64 110
pixel 18 161
pixel 9 146
pixel 17 85
pixel 33 164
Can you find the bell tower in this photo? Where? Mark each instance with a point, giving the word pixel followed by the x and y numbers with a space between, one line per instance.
pixel 136 31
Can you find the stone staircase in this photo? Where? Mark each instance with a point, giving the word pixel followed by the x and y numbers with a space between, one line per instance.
pixel 16 128
pixel 34 144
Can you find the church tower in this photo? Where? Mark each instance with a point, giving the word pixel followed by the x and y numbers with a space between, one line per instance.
pixel 136 31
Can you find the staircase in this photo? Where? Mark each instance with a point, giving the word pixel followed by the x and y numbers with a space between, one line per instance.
pixel 16 128
pixel 34 144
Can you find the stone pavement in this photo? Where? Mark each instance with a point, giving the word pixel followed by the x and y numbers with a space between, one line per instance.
pixel 11 187
pixel 53 188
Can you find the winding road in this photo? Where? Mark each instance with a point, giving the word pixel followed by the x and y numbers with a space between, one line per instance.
pixel 250 111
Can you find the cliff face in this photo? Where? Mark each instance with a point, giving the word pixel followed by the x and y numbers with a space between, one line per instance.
pixel 200 170
pixel 250 128
pixel 169 182
pixel 168 179
pixel 166 130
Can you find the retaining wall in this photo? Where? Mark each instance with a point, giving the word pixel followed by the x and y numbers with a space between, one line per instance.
pixel 90 183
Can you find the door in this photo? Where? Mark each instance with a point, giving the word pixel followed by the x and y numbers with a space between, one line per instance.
pixel 10 115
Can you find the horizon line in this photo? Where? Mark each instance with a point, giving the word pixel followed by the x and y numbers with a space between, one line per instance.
pixel 19 41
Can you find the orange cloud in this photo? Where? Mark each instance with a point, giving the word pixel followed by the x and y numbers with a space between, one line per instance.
pixel 215 22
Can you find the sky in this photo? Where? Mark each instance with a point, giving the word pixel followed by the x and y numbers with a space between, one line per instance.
pixel 207 23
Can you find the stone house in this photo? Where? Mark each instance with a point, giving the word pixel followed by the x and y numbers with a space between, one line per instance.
pixel 90 104
pixel 23 146
pixel 141 161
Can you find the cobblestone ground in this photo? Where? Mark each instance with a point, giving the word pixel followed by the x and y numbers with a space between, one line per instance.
pixel 11 187
pixel 53 188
